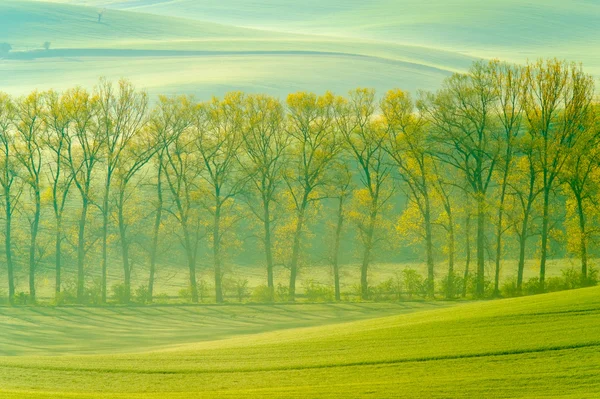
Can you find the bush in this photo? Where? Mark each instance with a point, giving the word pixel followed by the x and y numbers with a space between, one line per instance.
pixel 282 293
pixel 142 295
pixel 509 288
pixel 261 294
pixel 120 294
pixel 161 298
pixel 64 297
pixel 185 294
pixel 451 286
pixel 316 292
pixel 532 286
pixel 414 283
pixel 237 288
pixel 388 290
pixel 21 298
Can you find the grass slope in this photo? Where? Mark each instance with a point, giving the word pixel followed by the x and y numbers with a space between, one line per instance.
pixel 534 347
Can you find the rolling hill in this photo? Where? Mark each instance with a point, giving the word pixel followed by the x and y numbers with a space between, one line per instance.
pixel 207 48
pixel 532 347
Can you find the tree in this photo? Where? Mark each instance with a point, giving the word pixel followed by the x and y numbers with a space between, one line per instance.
pixel 582 176
pixel 557 101
pixel 46 46
pixel 28 152
pixel 409 147
pixel 122 114
pixel 265 146
pixel 342 190
pixel 313 146
pixel 182 169
pixel 508 81
pixel 364 138
pixel 219 129
pixel 58 175
pixel 462 114
pixel 84 145
pixel 11 191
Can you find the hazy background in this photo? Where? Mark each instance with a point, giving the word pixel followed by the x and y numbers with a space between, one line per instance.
pixel 208 47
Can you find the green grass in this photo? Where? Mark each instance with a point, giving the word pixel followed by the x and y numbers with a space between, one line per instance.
pixel 534 347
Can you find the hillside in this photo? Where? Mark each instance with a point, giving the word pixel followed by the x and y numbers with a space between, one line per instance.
pixel 541 346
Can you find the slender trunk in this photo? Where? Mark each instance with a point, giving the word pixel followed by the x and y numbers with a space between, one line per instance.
pixel 522 248
pixel 268 249
pixel 582 238
pixel 296 250
pixel 450 292
pixel 544 248
pixel 364 269
pixel 156 232
pixel 336 248
pixel 191 258
pixel 8 246
pixel 468 260
pixel 124 248
pixel 480 290
pixel 33 245
pixel 499 231
pixel 429 248
pixel 81 249
pixel 217 254
pixel 105 235
pixel 58 254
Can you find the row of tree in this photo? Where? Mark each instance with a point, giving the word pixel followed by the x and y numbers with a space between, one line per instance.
pixel 500 141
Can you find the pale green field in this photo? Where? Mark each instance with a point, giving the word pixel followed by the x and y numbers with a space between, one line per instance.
pixel 534 347
pixel 278 46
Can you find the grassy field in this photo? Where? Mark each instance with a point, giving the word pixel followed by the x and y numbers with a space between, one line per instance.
pixel 534 347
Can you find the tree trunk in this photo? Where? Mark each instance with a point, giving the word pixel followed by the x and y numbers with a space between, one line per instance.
pixel 8 247
pixel 296 251
pixel 268 249
pixel 81 250
pixel 499 232
pixel 336 249
pixel 58 254
pixel 217 254
pixel 124 249
pixel 480 289
pixel 156 232
pixel 468 260
pixel 522 247
pixel 582 238
pixel 544 245
pixel 191 258
pixel 451 244
pixel 105 212
pixel 33 245
pixel 429 248
pixel 364 269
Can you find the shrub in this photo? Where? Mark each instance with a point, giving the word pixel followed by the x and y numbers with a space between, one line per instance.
pixel 509 288
pixel 142 294
pixel 414 283
pixel 185 294
pixel 261 294
pixel 451 285
pixel 316 292
pixel 64 297
pixel 120 294
pixel 237 288
pixel 388 290
pixel 282 293
pixel 161 298
pixel 21 298
pixel 532 286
